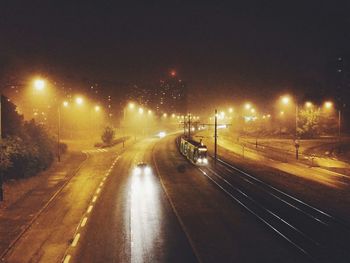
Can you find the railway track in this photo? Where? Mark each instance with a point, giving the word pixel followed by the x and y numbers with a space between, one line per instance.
pixel 317 235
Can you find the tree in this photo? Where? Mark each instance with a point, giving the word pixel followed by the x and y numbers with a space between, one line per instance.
pixel 108 135
pixel 11 121
pixel 309 122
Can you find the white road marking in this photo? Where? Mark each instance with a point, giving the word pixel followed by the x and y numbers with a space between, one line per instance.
pixel 94 199
pixel 101 184
pixel 98 190
pixel 90 208
pixel 83 223
pixel 66 259
pixel 76 239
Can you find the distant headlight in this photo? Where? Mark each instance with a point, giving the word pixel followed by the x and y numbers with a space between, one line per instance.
pixel 137 170
pixel 199 160
pixel 205 160
pixel 148 170
pixel 161 134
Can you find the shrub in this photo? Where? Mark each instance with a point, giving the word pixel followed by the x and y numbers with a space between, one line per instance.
pixel 27 148
pixel 108 135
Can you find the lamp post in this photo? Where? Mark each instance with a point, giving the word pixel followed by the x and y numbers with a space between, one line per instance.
pixel 339 125
pixel 216 135
pixel 0 117
pixel 329 105
pixel 286 101
pixel 58 134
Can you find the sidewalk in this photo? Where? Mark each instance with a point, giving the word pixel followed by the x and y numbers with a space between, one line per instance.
pixel 25 198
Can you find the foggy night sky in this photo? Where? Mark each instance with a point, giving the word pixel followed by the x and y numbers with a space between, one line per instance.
pixel 230 49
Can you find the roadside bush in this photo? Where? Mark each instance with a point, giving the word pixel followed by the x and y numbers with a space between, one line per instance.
pixel 26 150
pixel 108 135
pixel 24 157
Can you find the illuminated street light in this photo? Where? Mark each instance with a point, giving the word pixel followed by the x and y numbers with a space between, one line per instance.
pixel 308 104
pixel 39 84
pixel 328 105
pixel 97 108
pixel 230 110
pixel 247 106
pixel 65 103
pixel 149 112
pixel 165 115
pixel 79 100
pixel 131 105
pixel 173 115
pixel 285 100
pixel 281 113
pixel 140 110
pixel 252 110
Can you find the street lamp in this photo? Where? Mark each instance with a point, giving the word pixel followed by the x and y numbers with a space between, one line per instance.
pixel 131 105
pixel 247 106
pixel 39 84
pixel 328 105
pixel 286 100
pixel 97 108
pixel 308 104
pixel 79 100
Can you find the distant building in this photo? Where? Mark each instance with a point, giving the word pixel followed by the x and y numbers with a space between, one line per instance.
pixel 140 95
pixel 171 96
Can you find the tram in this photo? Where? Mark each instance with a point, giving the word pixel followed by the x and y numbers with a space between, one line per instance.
pixel 194 151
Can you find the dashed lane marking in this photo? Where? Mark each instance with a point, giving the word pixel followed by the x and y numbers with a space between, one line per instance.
pixel 67 258
pixel 98 190
pixel 89 209
pixel 83 222
pixel 94 199
pixel 75 240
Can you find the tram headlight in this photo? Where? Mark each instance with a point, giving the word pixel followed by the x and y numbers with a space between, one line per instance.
pixel 137 170
pixel 161 134
pixel 205 160
pixel 147 170
pixel 199 160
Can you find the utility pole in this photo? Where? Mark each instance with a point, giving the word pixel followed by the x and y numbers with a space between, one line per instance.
pixel 0 117
pixel 296 141
pixel 189 125
pixel 184 126
pixel 216 135
pixel 1 176
pixel 58 133
pixel 339 125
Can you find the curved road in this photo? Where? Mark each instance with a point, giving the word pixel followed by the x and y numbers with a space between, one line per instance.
pixel 175 214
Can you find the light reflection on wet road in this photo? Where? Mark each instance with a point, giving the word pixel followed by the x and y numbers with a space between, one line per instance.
pixel 146 216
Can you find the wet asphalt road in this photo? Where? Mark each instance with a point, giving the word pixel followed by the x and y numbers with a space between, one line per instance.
pixel 132 220
pixel 107 213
